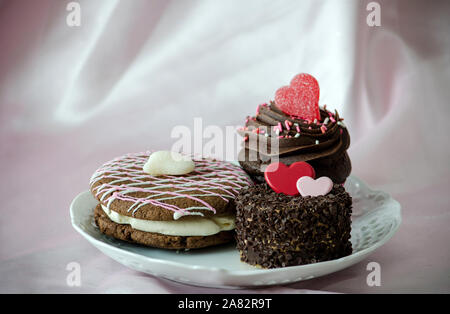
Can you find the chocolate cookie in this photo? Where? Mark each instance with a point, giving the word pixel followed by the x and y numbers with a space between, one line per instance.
pixel 127 233
pixel 172 211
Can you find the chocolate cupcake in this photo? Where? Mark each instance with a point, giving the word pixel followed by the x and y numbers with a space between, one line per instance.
pixel 300 130
pixel 277 230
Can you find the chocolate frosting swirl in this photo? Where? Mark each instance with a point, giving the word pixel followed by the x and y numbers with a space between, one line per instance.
pixel 308 140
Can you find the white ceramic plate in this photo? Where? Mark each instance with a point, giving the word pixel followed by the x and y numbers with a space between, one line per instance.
pixel 376 217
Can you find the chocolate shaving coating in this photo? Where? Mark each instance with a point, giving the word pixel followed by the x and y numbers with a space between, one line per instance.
pixel 276 230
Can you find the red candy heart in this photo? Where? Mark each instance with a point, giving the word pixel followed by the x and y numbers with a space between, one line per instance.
pixel 283 179
pixel 301 98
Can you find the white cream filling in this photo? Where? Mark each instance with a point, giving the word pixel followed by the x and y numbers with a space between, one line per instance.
pixel 200 226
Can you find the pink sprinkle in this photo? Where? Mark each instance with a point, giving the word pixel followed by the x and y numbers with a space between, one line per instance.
pixel 323 128
pixel 286 123
pixel 280 126
pixel 281 136
pixel 309 128
pixel 298 128
pixel 331 117
pixel 246 121
pixel 245 138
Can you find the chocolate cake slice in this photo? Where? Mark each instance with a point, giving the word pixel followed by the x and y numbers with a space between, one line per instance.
pixel 276 230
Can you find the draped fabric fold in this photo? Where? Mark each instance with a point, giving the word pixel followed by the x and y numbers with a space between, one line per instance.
pixel 72 97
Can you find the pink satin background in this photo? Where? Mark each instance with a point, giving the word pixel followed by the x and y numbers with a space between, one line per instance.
pixel 73 98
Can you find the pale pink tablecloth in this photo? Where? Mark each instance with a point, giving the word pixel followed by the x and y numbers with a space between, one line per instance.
pixel 74 97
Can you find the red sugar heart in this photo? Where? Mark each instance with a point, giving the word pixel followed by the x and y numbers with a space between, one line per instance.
pixel 301 98
pixel 283 179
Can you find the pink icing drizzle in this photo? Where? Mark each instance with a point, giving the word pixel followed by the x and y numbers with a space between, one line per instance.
pixel 210 178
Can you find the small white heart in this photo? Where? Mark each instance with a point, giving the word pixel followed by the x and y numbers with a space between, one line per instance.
pixel 307 186
pixel 168 163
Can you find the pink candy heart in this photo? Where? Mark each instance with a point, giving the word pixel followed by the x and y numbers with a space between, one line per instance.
pixel 307 186
pixel 282 179
pixel 301 98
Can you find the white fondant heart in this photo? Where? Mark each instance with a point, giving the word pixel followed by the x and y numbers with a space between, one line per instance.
pixel 168 163
pixel 307 186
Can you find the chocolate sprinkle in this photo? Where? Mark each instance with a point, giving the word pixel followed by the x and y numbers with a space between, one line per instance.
pixel 276 230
